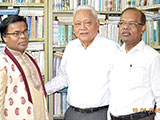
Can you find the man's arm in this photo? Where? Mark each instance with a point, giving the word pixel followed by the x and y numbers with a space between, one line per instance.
pixel 155 83
pixel 61 80
pixel 57 83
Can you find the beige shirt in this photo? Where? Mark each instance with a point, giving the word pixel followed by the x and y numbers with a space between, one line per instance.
pixel 36 90
pixel 34 83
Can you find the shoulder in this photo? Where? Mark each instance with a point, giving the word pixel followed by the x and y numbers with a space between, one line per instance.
pixel 73 44
pixel 106 40
pixel 107 43
pixel 3 56
pixel 30 54
pixel 151 51
pixel 152 54
pixel 3 59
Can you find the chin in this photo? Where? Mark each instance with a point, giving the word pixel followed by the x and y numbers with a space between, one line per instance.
pixel 83 40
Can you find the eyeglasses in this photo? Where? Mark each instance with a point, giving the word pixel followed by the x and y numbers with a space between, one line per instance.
pixel 18 34
pixel 130 24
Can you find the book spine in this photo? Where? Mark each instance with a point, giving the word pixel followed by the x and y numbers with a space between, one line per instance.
pixel 133 3
pixel 128 3
pixel 110 4
pixel 69 33
pixel 62 35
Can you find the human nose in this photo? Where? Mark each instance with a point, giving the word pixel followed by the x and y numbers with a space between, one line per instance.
pixel 83 25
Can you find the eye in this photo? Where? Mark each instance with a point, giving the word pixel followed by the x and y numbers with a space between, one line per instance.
pixel 26 32
pixel 122 23
pixel 77 24
pixel 132 24
pixel 16 33
pixel 87 23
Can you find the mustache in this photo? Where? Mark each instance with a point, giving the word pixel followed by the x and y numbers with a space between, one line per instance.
pixel 126 32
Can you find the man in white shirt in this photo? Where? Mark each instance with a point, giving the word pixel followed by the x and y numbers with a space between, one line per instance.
pixel 85 69
pixel 135 77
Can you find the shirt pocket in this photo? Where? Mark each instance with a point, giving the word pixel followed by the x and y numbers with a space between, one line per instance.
pixel 137 75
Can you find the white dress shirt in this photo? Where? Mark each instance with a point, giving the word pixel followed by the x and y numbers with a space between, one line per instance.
pixel 135 80
pixel 85 72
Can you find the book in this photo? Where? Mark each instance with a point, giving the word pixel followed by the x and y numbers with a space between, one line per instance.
pixel 69 33
pixel 13 11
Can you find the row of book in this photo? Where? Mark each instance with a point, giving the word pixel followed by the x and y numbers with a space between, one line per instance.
pixel 37 50
pixel 60 97
pixel 35 23
pixel 34 17
pixel 13 11
pixel 31 11
pixel 99 5
pixel 109 28
pixel 152 33
pixel 59 103
pixel 56 62
pixel 21 1
pixel 147 2
pixel 62 33
pixel 35 26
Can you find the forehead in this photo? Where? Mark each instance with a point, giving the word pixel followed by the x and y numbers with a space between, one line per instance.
pixel 131 15
pixel 83 14
pixel 17 25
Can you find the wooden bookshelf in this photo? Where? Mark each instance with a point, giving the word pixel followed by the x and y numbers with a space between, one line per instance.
pixel 150 8
pixel 156 47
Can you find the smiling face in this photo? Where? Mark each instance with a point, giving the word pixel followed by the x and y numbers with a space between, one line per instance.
pixel 131 35
pixel 18 43
pixel 85 27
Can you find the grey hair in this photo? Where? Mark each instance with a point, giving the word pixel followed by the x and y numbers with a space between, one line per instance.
pixel 85 7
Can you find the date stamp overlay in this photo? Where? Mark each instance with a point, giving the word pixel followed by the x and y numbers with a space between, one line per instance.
pixel 151 110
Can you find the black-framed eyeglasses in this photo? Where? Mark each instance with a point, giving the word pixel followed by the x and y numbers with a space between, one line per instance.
pixel 18 34
pixel 130 24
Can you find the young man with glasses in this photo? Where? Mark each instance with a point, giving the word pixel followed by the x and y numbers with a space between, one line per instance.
pixel 22 93
pixel 135 76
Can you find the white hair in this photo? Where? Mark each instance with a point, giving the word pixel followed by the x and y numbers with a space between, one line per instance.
pixel 85 7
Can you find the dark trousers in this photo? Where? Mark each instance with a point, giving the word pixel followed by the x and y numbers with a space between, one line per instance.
pixel 72 114
pixel 146 118
pixel 150 117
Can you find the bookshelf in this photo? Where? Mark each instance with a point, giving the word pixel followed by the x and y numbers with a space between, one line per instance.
pixel 59 11
pixel 27 8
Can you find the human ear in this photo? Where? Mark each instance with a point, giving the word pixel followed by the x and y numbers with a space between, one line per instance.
pixel 143 29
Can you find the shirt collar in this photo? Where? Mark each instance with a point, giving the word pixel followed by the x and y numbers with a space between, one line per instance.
pixel 14 52
pixel 95 42
pixel 138 47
